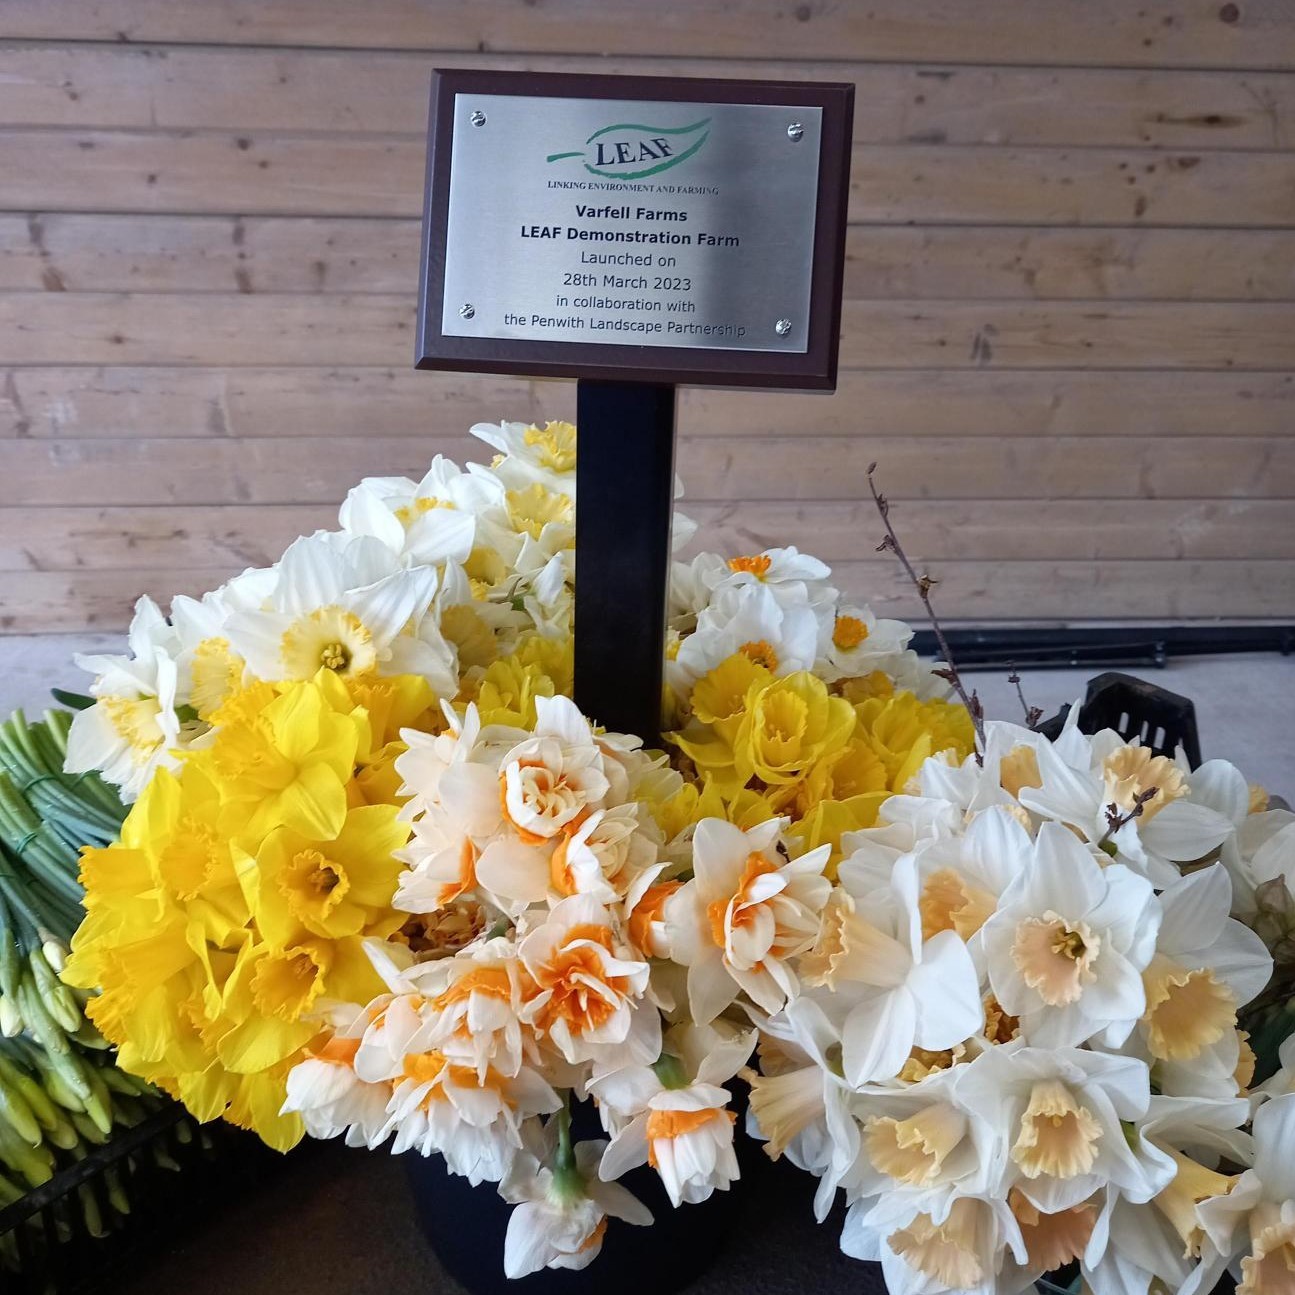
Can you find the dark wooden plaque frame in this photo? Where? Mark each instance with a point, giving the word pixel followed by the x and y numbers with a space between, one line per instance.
pixel 814 368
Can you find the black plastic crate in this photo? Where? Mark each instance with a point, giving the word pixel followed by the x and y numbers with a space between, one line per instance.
pixel 1136 710
pixel 169 1169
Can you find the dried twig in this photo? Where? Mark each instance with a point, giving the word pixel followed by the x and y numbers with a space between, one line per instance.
pixel 924 584
pixel 1033 714
pixel 1115 820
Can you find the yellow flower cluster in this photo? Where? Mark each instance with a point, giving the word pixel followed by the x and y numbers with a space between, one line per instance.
pixel 827 755
pixel 238 897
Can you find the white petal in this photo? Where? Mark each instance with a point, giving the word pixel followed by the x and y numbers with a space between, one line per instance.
pixel 947 993
pixel 878 1036
pixel 1220 786
pixel 514 870
pixel 1184 831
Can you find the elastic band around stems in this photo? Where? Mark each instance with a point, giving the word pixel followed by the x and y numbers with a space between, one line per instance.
pixel 40 778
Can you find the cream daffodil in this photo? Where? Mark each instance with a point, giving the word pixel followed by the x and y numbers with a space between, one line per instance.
pixel 892 988
pixel 1253 1224
pixel 959 1247
pixel 1172 825
pixel 1066 947
pixel 1206 966
pixel 1058 1116
pixel 800 1101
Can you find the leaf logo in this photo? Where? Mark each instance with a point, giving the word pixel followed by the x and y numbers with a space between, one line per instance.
pixel 629 151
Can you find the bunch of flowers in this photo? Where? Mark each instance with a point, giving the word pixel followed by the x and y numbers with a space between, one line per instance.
pixel 383 880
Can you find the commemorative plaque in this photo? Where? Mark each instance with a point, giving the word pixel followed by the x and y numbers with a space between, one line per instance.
pixel 633 233
pixel 687 231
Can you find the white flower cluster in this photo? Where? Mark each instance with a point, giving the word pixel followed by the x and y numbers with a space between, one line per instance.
pixel 1015 1043
pixel 436 578
pixel 533 852
pixel 439 578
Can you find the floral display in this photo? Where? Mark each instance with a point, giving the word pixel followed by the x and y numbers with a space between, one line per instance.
pixel 381 879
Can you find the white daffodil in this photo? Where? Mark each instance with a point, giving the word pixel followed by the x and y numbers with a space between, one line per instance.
pixel 133 728
pixel 586 989
pixel 1168 1242
pixel 746 618
pixel 795 579
pixel 800 1101
pixel 1067 945
pixel 960 1249
pixel 1057 1116
pixel 854 642
pixel 546 455
pixel 673 1114
pixel 441 1105
pixel 1254 1223
pixel 476 1000
pixel 562 1211
pixel 429 522
pixel 210 671
pixel 1205 967
pixel 925 1142
pixel 1150 798
pixel 746 913
pixel 892 990
pixel 336 607
pixel 547 788
pixel 331 1098
pixel 686 1135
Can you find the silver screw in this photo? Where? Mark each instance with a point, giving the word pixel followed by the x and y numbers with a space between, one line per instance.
pixel 795 132
pixel 467 310
pixel 782 327
pixel 478 118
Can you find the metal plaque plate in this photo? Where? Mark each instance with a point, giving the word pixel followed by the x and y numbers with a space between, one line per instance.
pixel 658 224
pixel 603 233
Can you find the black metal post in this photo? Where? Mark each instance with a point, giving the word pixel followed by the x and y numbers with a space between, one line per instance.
pixel 624 494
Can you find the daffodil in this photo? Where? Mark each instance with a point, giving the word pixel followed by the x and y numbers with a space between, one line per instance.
pixel 334 606
pixel 290 763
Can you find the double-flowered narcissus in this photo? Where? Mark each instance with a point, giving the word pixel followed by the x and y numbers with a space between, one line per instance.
pixel 382 879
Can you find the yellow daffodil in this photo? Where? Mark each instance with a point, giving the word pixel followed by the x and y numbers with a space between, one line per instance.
pixel 238 899
pixel 787 726
pixel 904 731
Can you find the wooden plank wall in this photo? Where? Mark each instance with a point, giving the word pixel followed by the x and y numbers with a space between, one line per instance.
pixel 1069 329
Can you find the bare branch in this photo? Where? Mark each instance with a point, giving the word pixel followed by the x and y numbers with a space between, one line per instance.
pixel 1115 820
pixel 924 584
pixel 1033 714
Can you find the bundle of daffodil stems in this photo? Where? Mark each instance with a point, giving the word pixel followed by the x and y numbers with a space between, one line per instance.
pixel 60 1092
pixel 382 879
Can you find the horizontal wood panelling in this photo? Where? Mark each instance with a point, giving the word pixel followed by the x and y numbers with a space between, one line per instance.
pixel 77 253
pixel 195 536
pixel 364 92
pixel 112 401
pixel 1068 333
pixel 1108 32
pixel 382 175
pixel 233 329
pixel 36 602
pixel 292 470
